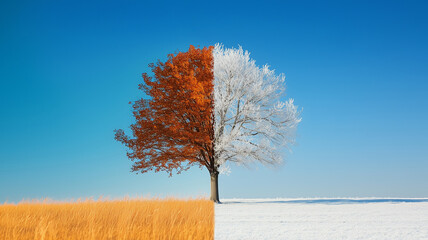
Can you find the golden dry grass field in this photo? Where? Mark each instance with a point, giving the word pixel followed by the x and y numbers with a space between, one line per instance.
pixel 102 220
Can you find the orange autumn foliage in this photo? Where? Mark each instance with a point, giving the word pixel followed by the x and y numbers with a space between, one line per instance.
pixel 174 126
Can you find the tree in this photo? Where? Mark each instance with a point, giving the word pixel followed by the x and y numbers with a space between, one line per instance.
pixel 207 107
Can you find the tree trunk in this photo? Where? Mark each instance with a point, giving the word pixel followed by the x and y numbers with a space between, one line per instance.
pixel 214 188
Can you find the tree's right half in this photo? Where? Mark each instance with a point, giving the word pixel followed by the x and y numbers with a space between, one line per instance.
pixel 253 120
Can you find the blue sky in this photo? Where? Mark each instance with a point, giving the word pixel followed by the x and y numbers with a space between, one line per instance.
pixel 359 69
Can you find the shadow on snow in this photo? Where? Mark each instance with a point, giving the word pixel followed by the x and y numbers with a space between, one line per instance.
pixel 334 201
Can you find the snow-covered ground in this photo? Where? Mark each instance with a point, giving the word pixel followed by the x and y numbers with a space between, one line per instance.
pixel 364 218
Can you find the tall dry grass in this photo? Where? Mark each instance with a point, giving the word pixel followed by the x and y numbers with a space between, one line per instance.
pixel 121 219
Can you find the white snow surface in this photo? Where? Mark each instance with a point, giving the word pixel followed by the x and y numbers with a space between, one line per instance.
pixel 321 218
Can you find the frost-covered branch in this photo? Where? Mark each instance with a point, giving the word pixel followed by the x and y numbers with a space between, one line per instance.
pixel 251 120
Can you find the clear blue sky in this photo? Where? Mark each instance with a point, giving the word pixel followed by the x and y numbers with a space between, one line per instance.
pixel 359 69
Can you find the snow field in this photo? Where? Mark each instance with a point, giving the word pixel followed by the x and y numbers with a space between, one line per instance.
pixel 321 219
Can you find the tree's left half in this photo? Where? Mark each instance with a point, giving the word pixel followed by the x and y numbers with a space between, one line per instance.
pixel 174 125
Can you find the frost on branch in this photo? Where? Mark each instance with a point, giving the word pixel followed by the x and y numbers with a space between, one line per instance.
pixel 251 120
